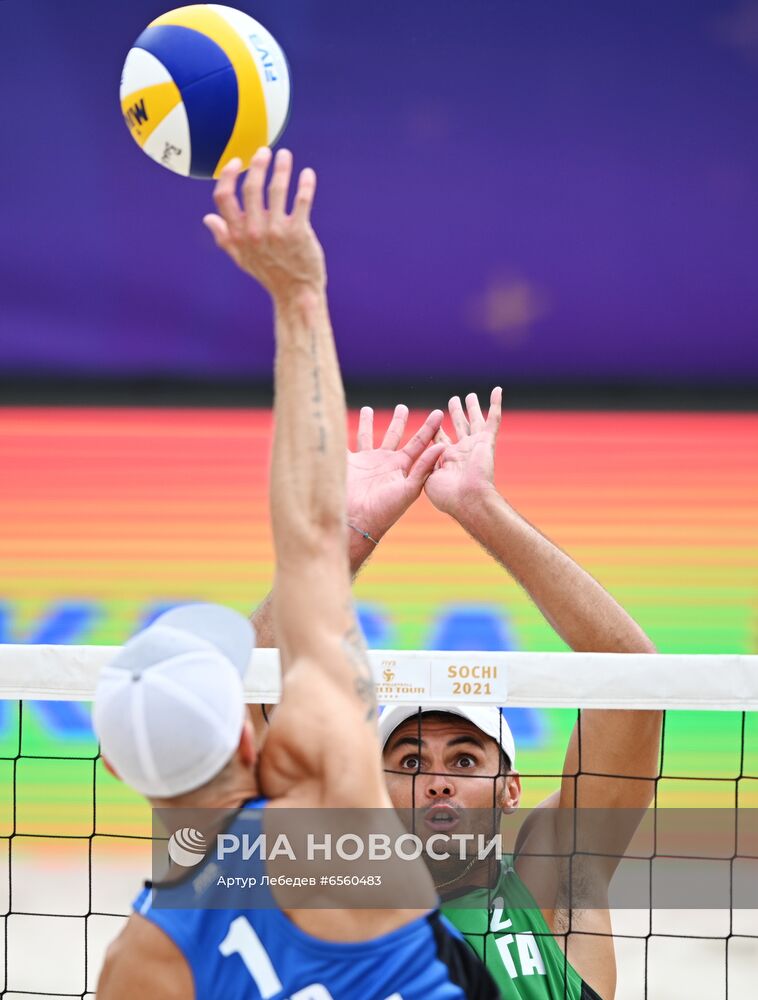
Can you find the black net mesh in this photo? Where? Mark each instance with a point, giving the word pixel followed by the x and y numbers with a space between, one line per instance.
pixel 75 851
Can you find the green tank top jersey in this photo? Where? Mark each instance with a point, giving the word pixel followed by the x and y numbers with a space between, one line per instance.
pixel 507 930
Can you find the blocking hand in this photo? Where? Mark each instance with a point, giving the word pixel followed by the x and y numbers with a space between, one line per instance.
pixel 382 482
pixel 466 467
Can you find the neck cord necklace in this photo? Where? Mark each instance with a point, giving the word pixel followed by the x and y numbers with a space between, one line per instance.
pixel 466 870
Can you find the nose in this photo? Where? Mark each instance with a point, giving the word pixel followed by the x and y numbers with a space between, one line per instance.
pixel 439 786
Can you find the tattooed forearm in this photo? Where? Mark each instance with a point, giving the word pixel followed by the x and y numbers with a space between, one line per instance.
pixel 317 412
pixel 354 646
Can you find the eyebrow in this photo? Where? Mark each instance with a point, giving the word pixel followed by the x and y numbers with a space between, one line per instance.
pixel 415 742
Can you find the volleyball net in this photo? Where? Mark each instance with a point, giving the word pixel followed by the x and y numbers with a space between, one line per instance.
pixel 75 844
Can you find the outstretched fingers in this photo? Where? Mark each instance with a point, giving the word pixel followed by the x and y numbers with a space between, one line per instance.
pixel 218 229
pixel 396 428
pixel 460 423
pixel 366 429
pixel 279 186
pixel 423 436
pixel 306 192
pixel 475 415
pixel 496 410
pixel 252 191
pixel 225 197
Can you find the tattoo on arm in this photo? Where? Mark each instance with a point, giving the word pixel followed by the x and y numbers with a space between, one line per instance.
pixel 317 397
pixel 355 649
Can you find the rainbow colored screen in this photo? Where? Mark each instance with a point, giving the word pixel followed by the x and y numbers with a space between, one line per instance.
pixel 109 515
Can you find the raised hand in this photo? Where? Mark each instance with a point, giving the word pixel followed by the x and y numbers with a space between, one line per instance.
pixel 281 251
pixel 383 481
pixel 466 467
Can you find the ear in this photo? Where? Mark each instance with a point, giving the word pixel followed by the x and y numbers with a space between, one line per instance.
pixel 246 749
pixel 511 792
pixel 109 768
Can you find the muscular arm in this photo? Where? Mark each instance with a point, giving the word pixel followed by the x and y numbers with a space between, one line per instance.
pixel 308 473
pixel 583 614
pixel 619 750
pixel 328 694
pixel 327 690
pixel 616 745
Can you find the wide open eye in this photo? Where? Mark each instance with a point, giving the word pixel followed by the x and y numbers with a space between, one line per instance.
pixel 411 762
pixel 466 761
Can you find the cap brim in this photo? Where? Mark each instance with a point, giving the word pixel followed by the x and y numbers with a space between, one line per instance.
pixel 496 728
pixel 229 631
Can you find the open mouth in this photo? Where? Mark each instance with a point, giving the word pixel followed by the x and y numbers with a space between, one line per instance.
pixel 441 819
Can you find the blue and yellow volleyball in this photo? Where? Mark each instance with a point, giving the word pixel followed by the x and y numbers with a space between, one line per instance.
pixel 202 85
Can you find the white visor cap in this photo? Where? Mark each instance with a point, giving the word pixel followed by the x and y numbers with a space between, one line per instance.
pixel 488 718
pixel 169 708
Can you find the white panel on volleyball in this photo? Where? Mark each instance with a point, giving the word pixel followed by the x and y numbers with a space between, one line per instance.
pixel 272 65
pixel 141 70
pixel 170 143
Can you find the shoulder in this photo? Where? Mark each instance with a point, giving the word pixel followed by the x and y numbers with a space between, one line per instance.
pixel 321 751
pixel 143 961
pixel 539 827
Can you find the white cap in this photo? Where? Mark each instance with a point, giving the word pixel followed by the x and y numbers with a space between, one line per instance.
pixel 488 718
pixel 170 707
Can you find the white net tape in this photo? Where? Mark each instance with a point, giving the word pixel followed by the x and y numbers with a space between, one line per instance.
pixel 530 680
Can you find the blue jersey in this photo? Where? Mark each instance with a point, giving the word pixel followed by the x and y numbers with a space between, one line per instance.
pixel 261 955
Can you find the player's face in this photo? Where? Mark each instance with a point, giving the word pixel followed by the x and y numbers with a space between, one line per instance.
pixel 454 766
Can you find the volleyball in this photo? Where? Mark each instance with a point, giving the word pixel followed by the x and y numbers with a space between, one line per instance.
pixel 202 85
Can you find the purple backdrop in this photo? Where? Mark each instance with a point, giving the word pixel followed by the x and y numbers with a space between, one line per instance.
pixel 528 190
